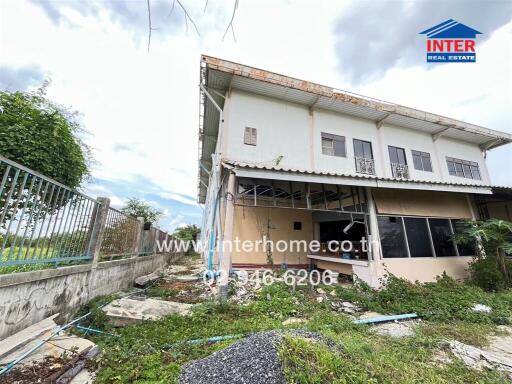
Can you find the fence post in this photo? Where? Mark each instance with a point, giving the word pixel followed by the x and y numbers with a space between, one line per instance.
pixel 139 239
pixel 98 229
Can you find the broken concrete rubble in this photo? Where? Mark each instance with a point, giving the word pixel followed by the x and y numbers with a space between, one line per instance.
pixel 51 352
pixel 481 308
pixel 293 320
pixel 481 358
pixel 146 280
pixel 395 329
pixel 128 311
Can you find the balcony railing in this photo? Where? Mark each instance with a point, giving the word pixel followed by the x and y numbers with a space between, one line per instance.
pixel 364 165
pixel 400 171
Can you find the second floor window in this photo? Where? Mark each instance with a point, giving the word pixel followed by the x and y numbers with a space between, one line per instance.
pixel 398 162
pixel 397 155
pixel 363 149
pixel 364 157
pixel 422 161
pixel 463 168
pixel 250 136
pixel 333 145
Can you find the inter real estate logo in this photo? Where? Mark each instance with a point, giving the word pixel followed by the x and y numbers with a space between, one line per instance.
pixel 451 42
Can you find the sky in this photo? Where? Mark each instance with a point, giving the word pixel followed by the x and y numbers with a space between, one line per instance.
pixel 140 107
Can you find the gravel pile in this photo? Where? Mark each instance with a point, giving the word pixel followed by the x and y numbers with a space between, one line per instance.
pixel 253 360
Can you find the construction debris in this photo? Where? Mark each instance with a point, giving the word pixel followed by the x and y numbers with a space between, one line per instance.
pixel 146 280
pixel 293 320
pixel 251 360
pixel 481 308
pixel 51 360
pixel 128 311
pixel 478 358
pixel 397 329
pixel 19 340
pixel 345 307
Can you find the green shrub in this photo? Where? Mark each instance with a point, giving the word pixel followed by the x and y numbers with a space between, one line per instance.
pixel 487 274
pixel 443 300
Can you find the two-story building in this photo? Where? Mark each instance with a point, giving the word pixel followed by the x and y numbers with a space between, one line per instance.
pixel 287 159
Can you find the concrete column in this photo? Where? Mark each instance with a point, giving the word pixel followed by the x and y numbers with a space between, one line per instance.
pixel 98 229
pixel 374 228
pixel 225 263
pixel 138 238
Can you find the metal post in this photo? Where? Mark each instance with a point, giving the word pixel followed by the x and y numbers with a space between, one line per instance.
pixel 98 229
pixel 225 262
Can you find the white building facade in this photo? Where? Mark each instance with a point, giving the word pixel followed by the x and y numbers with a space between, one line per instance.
pixel 287 159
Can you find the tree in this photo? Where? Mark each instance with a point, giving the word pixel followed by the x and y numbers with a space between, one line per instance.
pixel 138 208
pixel 43 136
pixel 188 232
pixel 491 269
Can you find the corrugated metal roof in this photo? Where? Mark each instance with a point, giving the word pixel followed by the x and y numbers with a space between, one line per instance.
pixel 267 167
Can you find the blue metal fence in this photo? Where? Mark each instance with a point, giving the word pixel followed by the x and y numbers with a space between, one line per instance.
pixel 45 222
pixel 41 220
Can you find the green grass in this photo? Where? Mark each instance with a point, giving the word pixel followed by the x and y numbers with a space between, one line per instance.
pixel 39 253
pixel 366 358
pixel 152 352
pixel 442 301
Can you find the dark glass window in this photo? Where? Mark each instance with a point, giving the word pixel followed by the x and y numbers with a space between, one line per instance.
pixel 463 168
pixel 297 225
pixel 363 149
pixel 392 238
pixel 417 236
pixel 422 161
pixel 464 249
pixel 397 155
pixel 475 171
pixel 451 168
pixel 333 145
pixel 442 237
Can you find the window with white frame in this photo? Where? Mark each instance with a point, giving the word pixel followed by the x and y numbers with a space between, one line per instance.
pixel 463 168
pixel 333 145
pixel 422 161
pixel 250 136
pixel 421 237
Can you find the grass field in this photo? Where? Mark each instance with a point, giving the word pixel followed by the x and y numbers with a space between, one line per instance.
pixel 140 353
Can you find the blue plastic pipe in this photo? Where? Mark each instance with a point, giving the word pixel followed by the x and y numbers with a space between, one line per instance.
pixel 383 319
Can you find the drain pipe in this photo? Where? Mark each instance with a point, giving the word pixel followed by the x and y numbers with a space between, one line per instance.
pixel 215 164
pixel 225 262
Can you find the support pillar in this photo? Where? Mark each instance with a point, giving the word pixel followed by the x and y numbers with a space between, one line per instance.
pixel 98 229
pixel 374 227
pixel 225 262
pixel 138 239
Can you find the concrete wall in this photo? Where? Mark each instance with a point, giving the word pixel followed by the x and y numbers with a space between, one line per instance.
pixel 425 269
pixel 28 297
pixel 290 130
pixel 250 223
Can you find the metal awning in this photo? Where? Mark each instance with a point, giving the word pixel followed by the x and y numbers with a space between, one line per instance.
pixel 259 171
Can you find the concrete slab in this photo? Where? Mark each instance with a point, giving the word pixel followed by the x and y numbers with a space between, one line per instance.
pixel 127 311
pixel 84 377
pixel 145 280
pixel 55 347
pixel 398 329
pixel 25 336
